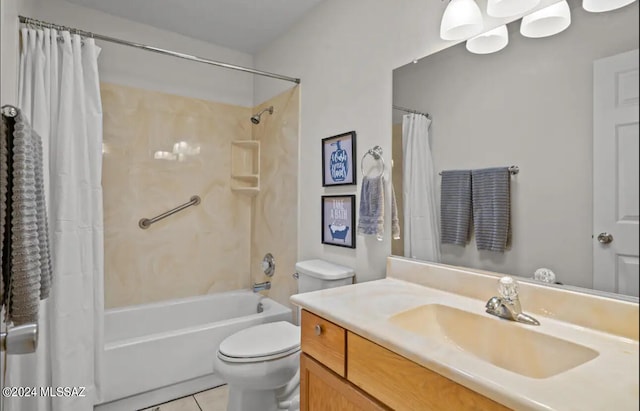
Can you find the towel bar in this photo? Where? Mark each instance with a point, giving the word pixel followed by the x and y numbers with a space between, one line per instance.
pixel 513 170
pixel 145 223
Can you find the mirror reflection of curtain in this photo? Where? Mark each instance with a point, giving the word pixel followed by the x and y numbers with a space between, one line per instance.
pixel 421 225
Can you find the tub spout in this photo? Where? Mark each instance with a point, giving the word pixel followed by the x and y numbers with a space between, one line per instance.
pixel 261 286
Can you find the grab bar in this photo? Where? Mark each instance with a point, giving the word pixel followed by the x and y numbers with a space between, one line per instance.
pixel 145 223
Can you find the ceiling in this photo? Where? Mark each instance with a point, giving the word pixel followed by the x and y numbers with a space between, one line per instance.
pixel 242 25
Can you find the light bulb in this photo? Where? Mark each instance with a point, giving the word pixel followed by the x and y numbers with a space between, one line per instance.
pixel 546 22
pixel 599 6
pixel 509 8
pixel 461 20
pixel 489 42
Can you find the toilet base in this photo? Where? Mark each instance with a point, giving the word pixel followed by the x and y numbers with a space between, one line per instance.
pixel 261 400
pixel 251 400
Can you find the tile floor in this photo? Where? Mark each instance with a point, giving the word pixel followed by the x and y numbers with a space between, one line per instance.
pixel 211 400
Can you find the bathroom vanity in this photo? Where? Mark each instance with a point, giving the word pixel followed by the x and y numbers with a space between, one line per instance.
pixel 395 382
pixel 420 339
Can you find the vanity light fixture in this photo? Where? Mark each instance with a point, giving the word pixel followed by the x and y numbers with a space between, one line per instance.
pixel 599 6
pixel 547 21
pixel 508 8
pixel 461 20
pixel 489 42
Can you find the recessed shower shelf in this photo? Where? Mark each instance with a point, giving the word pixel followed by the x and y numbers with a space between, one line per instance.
pixel 246 177
pixel 250 191
pixel 245 166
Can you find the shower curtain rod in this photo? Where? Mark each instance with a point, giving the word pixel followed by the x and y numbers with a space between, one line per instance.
pixel 40 23
pixel 408 110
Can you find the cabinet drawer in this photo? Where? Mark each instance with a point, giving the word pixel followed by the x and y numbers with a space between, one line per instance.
pixel 324 341
pixel 404 385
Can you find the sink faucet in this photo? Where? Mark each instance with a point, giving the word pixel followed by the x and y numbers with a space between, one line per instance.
pixel 261 286
pixel 508 305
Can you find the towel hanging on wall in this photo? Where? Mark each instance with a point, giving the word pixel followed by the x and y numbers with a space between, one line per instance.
pixel 492 208
pixel 455 207
pixel 371 213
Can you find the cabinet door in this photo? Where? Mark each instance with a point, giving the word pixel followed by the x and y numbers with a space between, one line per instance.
pixel 405 385
pixel 323 390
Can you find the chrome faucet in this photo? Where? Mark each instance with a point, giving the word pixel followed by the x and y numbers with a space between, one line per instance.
pixel 261 286
pixel 508 305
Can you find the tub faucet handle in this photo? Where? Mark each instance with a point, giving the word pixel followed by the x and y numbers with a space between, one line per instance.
pixel 269 265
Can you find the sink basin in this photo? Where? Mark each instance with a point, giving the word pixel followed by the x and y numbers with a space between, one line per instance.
pixel 500 342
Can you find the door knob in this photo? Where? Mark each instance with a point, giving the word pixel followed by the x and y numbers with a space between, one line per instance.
pixel 605 238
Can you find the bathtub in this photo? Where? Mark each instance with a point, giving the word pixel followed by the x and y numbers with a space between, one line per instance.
pixel 151 346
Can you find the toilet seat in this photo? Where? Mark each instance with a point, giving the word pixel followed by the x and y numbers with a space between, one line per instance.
pixel 263 342
pixel 257 359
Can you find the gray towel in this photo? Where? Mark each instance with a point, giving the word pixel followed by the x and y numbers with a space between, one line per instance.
pixel 30 276
pixel 492 208
pixel 371 216
pixel 4 159
pixel 455 207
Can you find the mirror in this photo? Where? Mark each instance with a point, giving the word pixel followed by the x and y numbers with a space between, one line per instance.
pixel 531 105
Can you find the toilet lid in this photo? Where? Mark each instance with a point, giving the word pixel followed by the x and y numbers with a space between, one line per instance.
pixel 262 341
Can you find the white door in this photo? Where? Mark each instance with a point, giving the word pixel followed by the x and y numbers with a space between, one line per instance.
pixel 615 174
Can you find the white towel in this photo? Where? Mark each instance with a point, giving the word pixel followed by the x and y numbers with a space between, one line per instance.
pixel 395 221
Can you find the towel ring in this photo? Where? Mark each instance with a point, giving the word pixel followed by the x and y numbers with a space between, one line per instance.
pixel 376 153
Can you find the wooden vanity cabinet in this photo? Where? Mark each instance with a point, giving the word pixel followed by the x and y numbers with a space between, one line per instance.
pixel 342 371
pixel 323 390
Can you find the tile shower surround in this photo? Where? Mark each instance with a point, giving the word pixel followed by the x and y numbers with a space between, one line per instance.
pixel 161 149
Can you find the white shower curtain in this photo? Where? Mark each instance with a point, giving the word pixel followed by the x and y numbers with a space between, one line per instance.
pixel 421 225
pixel 60 95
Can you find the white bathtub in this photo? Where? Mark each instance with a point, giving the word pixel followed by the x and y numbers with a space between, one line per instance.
pixel 156 345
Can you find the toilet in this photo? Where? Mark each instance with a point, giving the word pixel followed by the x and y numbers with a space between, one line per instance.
pixel 261 364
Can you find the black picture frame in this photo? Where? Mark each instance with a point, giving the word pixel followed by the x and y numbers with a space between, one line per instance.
pixel 338 220
pixel 339 160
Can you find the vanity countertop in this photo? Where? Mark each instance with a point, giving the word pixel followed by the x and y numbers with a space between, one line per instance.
pixel 608 382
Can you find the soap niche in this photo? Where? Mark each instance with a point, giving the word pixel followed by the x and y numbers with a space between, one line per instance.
pixel 245 166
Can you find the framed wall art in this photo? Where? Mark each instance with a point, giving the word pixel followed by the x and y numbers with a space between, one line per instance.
pixel 339 220
pixel 338 159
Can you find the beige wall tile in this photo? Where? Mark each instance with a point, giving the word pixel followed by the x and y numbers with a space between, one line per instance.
pixel 275 212
pixel 201 249
pixel 218 245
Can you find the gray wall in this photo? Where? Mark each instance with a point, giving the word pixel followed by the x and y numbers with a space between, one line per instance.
pixel 528 105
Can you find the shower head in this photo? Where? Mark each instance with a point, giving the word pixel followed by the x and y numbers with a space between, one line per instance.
pixel 255 119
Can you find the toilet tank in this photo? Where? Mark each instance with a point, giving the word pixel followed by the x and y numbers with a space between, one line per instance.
pixel 319 275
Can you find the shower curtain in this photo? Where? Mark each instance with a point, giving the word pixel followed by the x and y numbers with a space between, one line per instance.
pixel 421 226
pixel 60 95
